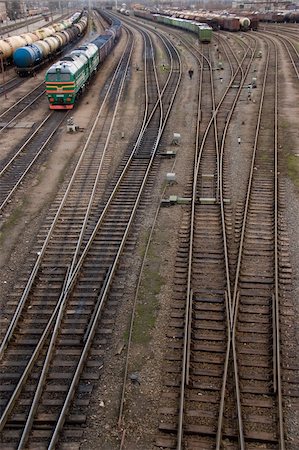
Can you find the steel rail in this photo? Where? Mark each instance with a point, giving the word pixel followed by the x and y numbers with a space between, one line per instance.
pixel 33 358
pixel 88 342
pixel 245 215
pixel 65 289
pixel 23 110
pixel 77 268
pixel 15 26
pixel 8 164
pixel 64 296
pixel 282 39
pixel 187 314
pixel 9 85
pixel 41 254
pixel 59 306
pixel 132 319
pixel 122 400
pixel 187 321
pixel 276 261
pixel 231 344
pixel 19 153
pixel 189 294
pixel 246 206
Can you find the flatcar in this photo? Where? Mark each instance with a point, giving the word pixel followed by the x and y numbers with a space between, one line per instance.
pixel 67 79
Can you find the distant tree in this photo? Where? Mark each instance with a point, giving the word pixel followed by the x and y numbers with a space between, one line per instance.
pixel 13 9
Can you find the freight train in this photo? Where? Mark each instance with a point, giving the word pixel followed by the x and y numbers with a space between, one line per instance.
pixel 29 59
pixel 35 11
pixel 202 30
pixel 67 79
pixel 228 22
pixel 291 16
pixel 10 44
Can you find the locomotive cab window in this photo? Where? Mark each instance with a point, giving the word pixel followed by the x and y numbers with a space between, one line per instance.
pixel 52 77
pixel 58 77
pixel 65 77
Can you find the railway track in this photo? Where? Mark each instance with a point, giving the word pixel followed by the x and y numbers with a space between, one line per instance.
pixel 18 165
pixel 15 26
pixel 290 47
pixel 10 85
pixel 201 318
pixel 59 240
pixel 18 81
pixel 255 301
pixel 225 320
pixel 203 353
pixel 73 275
pixel 8 116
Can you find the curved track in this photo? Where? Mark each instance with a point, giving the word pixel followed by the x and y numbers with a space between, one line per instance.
pixel 83 252
pixel 205 321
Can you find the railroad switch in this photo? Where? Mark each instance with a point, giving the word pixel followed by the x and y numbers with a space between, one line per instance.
pixel 175 200
pixel 207 200
pixel 168 154
pixel 211 200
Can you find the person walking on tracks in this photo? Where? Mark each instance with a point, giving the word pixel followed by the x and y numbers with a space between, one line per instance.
pixel 190 72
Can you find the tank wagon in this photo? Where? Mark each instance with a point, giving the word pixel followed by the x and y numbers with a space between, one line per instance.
pixel 10 44
pixel 31 58
pixel 226 22
pixel 244 23
pixel 67 79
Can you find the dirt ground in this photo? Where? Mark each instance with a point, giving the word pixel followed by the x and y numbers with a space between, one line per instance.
pixel 25 216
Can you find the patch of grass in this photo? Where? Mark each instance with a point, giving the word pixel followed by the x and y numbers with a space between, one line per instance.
pixel 148 304
pixel 293 168
pixel 283 124
pixel 12 220
pixel 147 308
pixel 264 157
pixel 126 334
pixel 143 245
pixel 290 162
